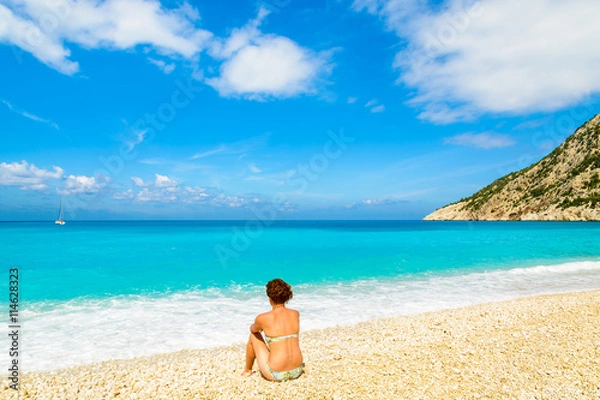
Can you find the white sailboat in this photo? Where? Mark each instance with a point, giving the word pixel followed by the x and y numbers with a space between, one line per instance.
pixel 60 220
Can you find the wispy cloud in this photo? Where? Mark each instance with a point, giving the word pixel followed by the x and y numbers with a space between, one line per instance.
pixel 371 103
pixel 254 169
pixel 275 178
pixel 240 147
pixel 207 153
pixel 135 138
pixel 165 67
pixel 533 124
pixel 155 161
pixel 374 106
pixel 178 166
pixel 368 203
pixel 485 140
pixel 29 115
pixel 138 181
pixel 462 61
pixel 378 109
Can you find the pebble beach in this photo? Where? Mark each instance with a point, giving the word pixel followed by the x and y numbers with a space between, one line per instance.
pixel 543 347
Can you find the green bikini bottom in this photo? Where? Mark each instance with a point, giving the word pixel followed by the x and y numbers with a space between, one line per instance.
pixel 285 375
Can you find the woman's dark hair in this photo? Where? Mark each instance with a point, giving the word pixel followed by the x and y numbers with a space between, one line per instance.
pixel 279 291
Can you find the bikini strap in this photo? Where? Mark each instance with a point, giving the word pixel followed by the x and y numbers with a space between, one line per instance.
pixel 278 338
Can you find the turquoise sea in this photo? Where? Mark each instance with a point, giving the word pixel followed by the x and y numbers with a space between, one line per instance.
pixel 91 291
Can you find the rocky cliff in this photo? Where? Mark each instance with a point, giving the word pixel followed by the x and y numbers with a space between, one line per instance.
pixel 563 186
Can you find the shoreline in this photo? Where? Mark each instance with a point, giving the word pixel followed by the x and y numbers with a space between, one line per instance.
pixel 547 346
pixel 74 334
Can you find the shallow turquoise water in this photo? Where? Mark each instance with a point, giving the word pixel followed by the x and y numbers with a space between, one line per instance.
pixel 100 259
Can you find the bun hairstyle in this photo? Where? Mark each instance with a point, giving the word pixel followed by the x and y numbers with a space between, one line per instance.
pixel 279 291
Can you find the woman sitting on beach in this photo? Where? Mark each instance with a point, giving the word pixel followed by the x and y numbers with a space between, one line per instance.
pixel 279 359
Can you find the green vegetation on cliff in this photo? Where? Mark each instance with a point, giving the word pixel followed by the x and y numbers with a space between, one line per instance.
pixel 563 185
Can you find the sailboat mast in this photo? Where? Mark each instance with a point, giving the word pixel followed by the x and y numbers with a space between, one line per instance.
pixel 60 220
pixel 60 210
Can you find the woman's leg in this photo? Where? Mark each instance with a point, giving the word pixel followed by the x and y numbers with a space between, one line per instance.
pixel 257 348
pixel 250 356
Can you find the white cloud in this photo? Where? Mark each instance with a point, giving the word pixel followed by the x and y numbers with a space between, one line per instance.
pixel 231 201
pixel 253 64
pixel 241 147
pixel 494 56
pixel 45 27
pixel 374 106
pixel 128 194
pixel 28 115
pixel 167 68
pixel 378 109
pixel 195 195
pixel 160 195
pixel 163 189
pixel 27 176
pixel 260 66
pixel 138 181
pixel 371 103
pixel 239 38
pixel 166 190
pixel 27 35
pixel 164 181
pixel 486 140
pixel 135 137
pixel 76 184
pixel 217 150
pixel 352 100
pixel 254 168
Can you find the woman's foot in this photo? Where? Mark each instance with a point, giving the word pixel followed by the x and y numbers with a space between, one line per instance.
pixel 247 372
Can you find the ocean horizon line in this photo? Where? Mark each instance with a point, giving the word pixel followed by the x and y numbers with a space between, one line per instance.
pixel 300 220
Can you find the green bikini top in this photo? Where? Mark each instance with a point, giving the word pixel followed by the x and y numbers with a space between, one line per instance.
pixel 270 339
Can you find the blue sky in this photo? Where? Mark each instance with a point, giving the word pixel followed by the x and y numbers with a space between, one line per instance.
pixel 134 109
